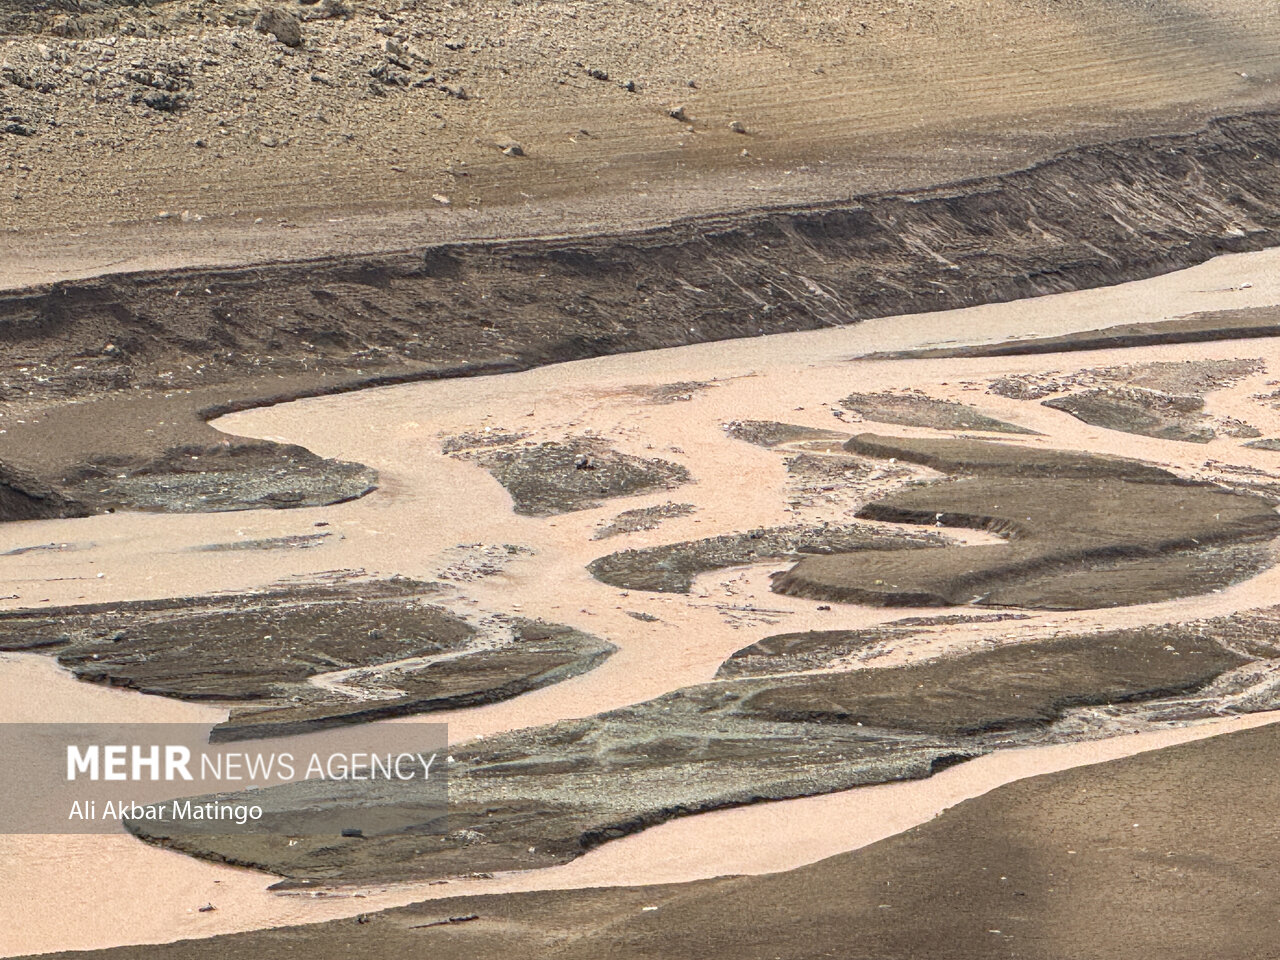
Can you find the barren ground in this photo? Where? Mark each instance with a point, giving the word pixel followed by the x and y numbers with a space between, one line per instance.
pixel 439 285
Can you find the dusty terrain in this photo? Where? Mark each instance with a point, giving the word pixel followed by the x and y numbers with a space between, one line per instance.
pixel 171 133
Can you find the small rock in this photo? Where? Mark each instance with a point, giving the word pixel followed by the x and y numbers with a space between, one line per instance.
pixel 281 24
pixel 394 47
pixel 330 10
pixel 737 126
pixel 595 74
pixel 678 113
pixel 208 908
pixel 513 149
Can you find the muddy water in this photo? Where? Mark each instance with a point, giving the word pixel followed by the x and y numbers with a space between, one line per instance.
pixel 432 511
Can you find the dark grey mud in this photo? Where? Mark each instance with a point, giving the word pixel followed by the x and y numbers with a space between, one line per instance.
pixel 1083 532
pixel 395 648
pixel 535 797
pixel 671 568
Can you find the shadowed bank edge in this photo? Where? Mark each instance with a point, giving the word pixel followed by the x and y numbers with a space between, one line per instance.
pixel 171 350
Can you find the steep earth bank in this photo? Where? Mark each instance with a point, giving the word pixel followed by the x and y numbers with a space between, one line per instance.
pixel 154 354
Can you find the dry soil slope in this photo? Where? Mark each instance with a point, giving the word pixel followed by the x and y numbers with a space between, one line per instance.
pixel 835 97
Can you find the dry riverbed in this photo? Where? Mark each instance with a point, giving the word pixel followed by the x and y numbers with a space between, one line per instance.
pixel 682 680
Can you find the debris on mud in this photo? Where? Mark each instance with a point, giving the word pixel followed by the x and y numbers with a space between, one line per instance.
pixel 1144 412
pixel 1082 531
pixel 663 393
pixel 671 568
pixel 824 649
pixel 468 562
pixel 914 409
pixel 479 440
pixel 768 433
pixel 236 475
pixel 1161 399
pixel 306 656
pixel 576 474
pixel 535 797
pixel 302 541
pixel 1271 444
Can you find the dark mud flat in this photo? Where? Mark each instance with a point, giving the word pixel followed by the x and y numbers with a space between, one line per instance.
pixel 235 475
pixel 24 497
pixel 821 649
pixel 1167 855
pixel 982 458
pixel 154 452
pixel 532 654
pixel 770 433
pixel 1083 532
pixel 1143 412
pixel 1163 399
pixel 549 478
pixel 671 568
pixel 204 341
pixel 1204 327
pixel 539 796
pixel 917 410
pixel 303 541
pixel 266 654
pixel 642 518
